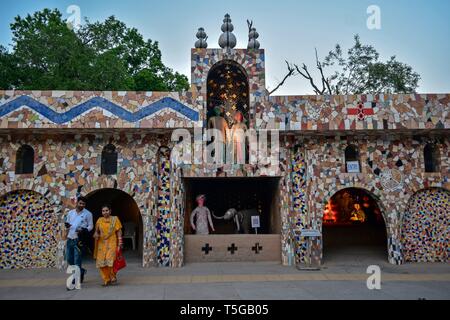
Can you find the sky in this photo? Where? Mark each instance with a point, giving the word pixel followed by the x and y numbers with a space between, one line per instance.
pixel 417 32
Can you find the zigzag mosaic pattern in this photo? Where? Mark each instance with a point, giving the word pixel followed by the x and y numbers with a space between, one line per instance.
pixel 61 118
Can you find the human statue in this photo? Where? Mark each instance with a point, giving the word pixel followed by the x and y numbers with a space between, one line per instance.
pixel 218 122
pixel 238 138
pixel 201 215
pixel 358 214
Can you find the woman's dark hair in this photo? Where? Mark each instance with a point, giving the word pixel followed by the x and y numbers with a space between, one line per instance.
pixel 106 206
pixel 81 198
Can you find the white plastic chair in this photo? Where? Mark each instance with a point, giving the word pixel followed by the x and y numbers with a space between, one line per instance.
pixel 129 232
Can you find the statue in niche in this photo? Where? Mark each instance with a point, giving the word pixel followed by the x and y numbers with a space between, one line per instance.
pixel 358 214
pixel 202 216
pixel 218 121
pixel 238 138
pixel 241 219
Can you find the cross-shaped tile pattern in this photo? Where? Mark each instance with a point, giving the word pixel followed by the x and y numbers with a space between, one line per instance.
pixel 360 111
pixel 233 248
pixel 257 248
pixel 207 248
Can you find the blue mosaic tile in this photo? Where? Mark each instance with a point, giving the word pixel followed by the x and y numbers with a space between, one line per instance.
pixel 61 118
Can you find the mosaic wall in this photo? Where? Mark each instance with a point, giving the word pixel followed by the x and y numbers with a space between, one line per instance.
pixel 356 112
pixel 287 231
pixel 96 110
pixel 392 169
pixel 67 165
pixel 426 227
pixel 150 218
pixel 177 209
pixel 99 109
pixel 164 220
pixel 299 207
pixel 27 231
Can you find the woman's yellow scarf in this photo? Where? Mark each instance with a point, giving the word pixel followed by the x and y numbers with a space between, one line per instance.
pixel 105 236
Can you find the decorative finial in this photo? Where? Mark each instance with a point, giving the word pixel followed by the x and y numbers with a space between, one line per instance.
pixel 202 37
pixel 252 36
pixel 227 39
pixel 252 42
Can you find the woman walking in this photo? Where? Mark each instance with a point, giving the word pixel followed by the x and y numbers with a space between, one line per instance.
pixel 108 240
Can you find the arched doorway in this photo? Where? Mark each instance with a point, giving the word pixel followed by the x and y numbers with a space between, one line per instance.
pixel 227 86
pixel 425 226
pixel 28 231
pixel 124 207
pixel 354 229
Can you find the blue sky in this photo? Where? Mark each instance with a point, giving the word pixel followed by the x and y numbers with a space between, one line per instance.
pixel 416 31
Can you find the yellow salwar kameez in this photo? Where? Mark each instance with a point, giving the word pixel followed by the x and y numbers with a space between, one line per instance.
pixel 105 247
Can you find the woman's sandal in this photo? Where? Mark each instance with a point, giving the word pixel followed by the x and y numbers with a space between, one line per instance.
pixel 105 284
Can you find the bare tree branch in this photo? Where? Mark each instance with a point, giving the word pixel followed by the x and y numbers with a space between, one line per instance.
pixel 250 25
pixel 308 76
pixel 325 81
pixel 291 72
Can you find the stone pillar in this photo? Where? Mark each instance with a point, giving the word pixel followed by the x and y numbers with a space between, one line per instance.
pixel 164 217
pixel 177 209
pixel 299 206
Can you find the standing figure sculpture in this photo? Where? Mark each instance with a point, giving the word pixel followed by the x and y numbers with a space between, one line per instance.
pixel 238 138
pixel 218 122
pixel 203 217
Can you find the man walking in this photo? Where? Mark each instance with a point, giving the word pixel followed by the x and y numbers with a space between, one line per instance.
pixel 79 223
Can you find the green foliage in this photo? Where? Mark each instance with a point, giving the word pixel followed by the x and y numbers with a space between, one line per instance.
pixel 100 56
pixel 362 72
pixel 8 72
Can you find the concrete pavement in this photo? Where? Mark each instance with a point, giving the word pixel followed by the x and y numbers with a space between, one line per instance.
pixel 338 279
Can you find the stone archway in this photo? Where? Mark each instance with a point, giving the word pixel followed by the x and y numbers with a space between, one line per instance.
pixel 354 228
pixel 425 226
pixel 126 209
pixel 28 231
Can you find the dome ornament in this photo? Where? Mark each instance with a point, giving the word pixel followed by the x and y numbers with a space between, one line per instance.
pixel 227 40
pixel 253 35
pixel 202 37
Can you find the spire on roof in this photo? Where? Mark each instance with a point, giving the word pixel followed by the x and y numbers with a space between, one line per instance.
pixel 227 39
pixel 202 37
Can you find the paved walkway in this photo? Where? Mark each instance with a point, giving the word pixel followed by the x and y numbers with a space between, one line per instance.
pixel 204 281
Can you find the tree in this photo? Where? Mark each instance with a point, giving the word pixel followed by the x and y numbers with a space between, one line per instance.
pixel 48 55
pixel 100 56
pixel 141 59
pixel 8 73
pixel 359 72
pixel 126 44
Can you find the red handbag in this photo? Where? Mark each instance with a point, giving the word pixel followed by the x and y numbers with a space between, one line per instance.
pixel 120 262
